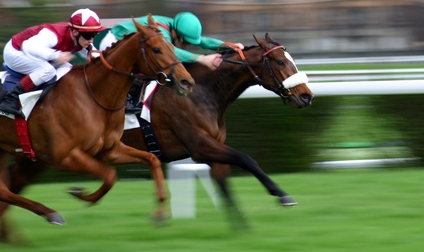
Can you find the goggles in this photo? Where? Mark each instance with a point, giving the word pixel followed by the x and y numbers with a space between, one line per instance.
pixel 88 35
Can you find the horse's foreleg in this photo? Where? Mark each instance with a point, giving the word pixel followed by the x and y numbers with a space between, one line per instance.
pixel 248 164
pixel 211 150
pixel 124 154
pixel 80 162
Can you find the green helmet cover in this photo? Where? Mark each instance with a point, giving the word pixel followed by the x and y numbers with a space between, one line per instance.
pixel 188 26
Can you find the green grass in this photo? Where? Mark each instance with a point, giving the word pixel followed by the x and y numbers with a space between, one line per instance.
pixel 343 210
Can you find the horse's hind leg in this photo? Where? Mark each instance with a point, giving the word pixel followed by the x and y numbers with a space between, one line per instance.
pixel 8 232
pixel 220 173
pixel 24 172
pixel 5 230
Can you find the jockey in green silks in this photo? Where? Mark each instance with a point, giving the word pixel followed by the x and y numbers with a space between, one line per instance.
pixel 182 31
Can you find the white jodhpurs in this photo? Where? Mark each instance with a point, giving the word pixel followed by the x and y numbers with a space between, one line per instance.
pixel 40 71
pixel 107 41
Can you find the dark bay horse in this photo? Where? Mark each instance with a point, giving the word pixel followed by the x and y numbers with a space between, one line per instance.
pixel 78 125
pixel 194 126
pixel 201 133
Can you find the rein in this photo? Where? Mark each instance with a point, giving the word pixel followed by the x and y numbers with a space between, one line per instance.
pixel 243 58
pixel 160 75
pixel 108 66
pixel 87 84
pixel 280 85
pixel 264 63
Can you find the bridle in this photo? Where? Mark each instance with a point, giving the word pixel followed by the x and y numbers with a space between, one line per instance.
pixel 265 63
pixel 160 76
pixel 160 71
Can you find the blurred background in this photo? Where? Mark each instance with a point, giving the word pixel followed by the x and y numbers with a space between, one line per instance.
pixel 308 27
pixel 382 40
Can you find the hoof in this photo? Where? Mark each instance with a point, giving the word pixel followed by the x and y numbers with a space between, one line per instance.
pixel 55 218
pixel 287 201
pixel 161 221
pixel 76 191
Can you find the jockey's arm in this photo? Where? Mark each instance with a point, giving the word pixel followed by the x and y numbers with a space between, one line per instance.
pixel 213 43
pixel 41 46
pixel 210 60
pixel 210 43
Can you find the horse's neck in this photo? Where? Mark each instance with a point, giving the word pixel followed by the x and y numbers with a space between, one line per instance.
pixel 234 79
pixel 113 84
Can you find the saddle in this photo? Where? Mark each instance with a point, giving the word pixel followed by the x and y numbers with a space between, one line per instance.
pixel 8 80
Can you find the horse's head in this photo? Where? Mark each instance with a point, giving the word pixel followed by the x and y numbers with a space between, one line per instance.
pixel 159 59
pixel 281 75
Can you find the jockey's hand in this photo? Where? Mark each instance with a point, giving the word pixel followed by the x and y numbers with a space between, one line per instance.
pixel 240 45
pixel 64 57
pixel 210 60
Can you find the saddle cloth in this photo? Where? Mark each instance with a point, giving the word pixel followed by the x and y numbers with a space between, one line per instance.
pixel 28 99
pixel 131 121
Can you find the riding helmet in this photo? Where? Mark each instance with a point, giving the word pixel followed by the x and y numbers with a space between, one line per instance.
pixel 85 20
pixel 188 26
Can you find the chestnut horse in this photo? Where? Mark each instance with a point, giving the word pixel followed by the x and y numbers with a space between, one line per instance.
pixel 78 125
pixel 198 130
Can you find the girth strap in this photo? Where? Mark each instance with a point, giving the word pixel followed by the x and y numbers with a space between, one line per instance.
pixel 150 137
pixel 22 131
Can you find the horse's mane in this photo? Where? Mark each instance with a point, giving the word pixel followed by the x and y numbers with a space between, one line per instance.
pixel 115 44
pixel 106 51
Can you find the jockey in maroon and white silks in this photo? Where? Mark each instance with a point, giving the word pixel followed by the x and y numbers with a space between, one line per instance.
pixel 39 52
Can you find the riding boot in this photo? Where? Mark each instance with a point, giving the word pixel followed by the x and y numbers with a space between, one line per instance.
pixel 10 102
pixel 130 108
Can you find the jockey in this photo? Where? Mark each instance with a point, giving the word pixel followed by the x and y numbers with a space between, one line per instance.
pixel 40 51
pixel 181 31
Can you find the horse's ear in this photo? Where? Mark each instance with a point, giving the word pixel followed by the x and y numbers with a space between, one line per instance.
pixel 137 24
pixel 255 38
pixel 269 39
pixel 260 42
pixel 151 20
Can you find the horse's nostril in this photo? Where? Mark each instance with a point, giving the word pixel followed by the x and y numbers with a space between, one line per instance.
pixel 307 98
pixel 185 84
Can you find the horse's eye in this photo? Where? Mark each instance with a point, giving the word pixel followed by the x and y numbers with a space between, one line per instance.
pixel 156 50
pixel 280 63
